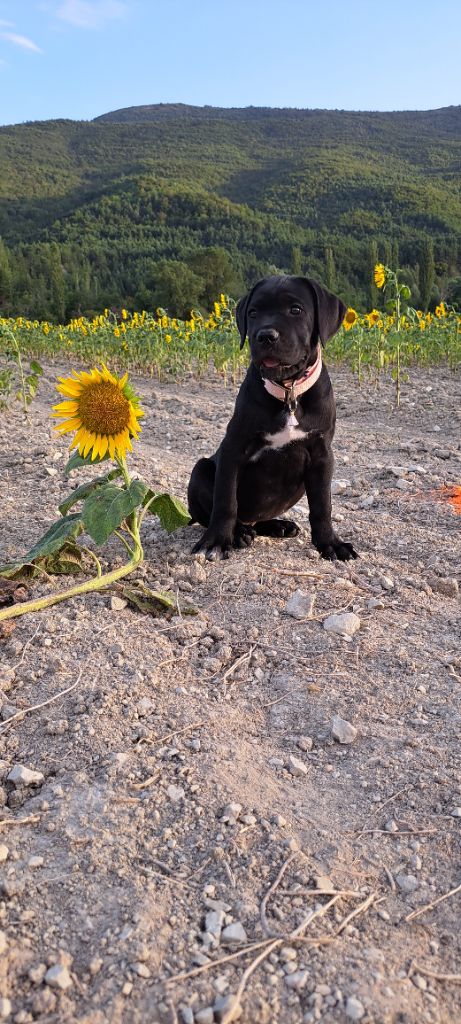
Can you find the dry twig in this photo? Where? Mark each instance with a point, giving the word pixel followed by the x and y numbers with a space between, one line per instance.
pixel 270 892
pixel 43 704
pixel 456 978
pixel 430 906
pixel 33 819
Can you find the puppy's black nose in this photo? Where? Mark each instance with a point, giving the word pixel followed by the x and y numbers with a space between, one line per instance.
pixel 268 335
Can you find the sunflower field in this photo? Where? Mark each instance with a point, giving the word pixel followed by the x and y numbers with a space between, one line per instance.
pixel 370 343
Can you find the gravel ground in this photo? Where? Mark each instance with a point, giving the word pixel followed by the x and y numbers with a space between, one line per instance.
pixel 195 757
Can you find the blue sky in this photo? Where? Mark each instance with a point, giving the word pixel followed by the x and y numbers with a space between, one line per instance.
pixel 81 58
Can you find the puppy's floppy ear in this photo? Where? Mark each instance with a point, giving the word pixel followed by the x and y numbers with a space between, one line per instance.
pixel 329 311
pixel 241 312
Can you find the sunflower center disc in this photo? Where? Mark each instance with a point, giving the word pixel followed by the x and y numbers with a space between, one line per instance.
pixel 103 409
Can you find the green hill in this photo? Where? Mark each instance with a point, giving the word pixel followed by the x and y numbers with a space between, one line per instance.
pixel 114 210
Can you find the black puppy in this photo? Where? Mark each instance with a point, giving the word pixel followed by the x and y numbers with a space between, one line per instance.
pixel 278 443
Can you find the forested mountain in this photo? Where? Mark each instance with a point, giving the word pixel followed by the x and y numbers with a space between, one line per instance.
pixel 169 204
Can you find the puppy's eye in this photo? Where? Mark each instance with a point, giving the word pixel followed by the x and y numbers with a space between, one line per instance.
pixel 296 310
pixel 252 312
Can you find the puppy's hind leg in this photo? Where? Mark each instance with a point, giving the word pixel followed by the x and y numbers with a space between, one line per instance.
pixel 200 491
pixel 276 528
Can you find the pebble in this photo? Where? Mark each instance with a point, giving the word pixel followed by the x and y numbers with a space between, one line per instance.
pixel 35 862
pixel 375 602
pixel 343 731
pixel 323 882
pixel 118 603
pixel 5 1007
pixel 456 812
pixel 391 825
pixel 297 980
pixel 3 943
pixel 339 486
pixel 175 794
pixel 187 1015
pixel 227 1008
pixel 386 582
pixel 22 776
pixel 214 921
pixel 234 934
pixel 205 1016
pixel 197 573
pixel 296 766
pixel 4 851
pixel 419 981
pixel 407 883
pixel 231 811
pixel 58 977
pixel 305 743
pixel 140 969
pixel 354 1008
pixel 300 605
pixel 346 623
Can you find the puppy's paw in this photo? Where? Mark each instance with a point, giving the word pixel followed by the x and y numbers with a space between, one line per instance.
pixel 337 550
pixel 244 535
pixel 215 543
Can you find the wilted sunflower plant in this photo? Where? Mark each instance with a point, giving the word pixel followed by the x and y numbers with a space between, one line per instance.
pixel 103 413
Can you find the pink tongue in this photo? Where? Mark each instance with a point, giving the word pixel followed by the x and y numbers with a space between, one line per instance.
pixel 270 363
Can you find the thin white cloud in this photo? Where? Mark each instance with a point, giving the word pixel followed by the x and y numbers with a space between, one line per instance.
pixel 90 13
pixel 6 24
pixel 23 41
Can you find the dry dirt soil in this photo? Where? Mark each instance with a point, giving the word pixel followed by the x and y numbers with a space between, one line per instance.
pixel 195 812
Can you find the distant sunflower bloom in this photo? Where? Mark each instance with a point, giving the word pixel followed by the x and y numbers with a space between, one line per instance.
pixel 350 318
pixel 102 409
pixel 379 275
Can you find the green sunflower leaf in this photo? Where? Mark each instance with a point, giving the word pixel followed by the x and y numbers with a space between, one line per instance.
pixel 76 461
pixel 171 511
pixel 65 529
pixel 105 509
pixel 84 490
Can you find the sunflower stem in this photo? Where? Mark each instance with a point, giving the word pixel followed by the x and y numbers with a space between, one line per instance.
pixel 83 588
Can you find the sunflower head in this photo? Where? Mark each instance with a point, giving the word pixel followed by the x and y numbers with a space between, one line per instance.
pixel 102 409
pixel 350 318
pixel 380 275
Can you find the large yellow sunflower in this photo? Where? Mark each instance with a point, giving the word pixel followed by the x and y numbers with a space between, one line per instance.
pixel 350 319
pixel 102 409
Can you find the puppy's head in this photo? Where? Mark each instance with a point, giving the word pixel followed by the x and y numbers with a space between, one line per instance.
pixel 285 318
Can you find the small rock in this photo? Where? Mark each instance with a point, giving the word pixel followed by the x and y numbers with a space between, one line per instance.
pixel 118 603
pixel 375 602
pixel 343 731
pixel 3 943
pixel 346 623
pixel 305 743
pixel 297 980
pixel 140 969
pixel 58 977
pixel 354 1008
pixel 205 1016
pixel 36 974
pixel 187 1015
pixel 5 1007
pixel 296 766
pixel 234 934
pixel 456 812
pixel 35 862
pixel 391 825
pixel 231 811
pixel 4 851
pixel 300 605
pixel 227 1008
pixel 175 794
pixel 339 486
pixel 197 573
pixel 407 883
pixel 214 921
pixel 386 582
pixel 323 882
pixel 22 776
pixel 419 982
pixel 416 862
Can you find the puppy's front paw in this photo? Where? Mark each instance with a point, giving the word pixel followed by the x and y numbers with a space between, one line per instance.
pixel 337 550
pixel 215 543
pixel 244 535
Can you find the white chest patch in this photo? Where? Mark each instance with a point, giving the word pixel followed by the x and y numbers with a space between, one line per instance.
pixel 291 431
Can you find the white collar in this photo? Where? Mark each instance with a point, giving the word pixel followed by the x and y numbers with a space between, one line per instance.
pixel 290 391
